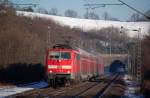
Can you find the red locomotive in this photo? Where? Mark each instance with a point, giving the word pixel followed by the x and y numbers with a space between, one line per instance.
pixel 65 63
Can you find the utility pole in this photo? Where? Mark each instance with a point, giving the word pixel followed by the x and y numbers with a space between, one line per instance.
pixel 137 66
pixel 110 41
pixel 48 37
pixel 138 57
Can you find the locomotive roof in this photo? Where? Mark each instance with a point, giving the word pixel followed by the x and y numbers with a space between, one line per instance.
pixel 86 53
pixel 65 46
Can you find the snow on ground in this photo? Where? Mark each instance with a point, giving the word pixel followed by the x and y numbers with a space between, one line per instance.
pixel 88 24
pixel 8 91
pixel 132 90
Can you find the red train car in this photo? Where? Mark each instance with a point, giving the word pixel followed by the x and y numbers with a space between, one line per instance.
pixel 65 63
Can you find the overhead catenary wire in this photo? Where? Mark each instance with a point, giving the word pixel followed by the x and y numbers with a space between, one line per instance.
pixel 29 4
pixel 148 17
pixel 93 9
pixel 103 4
pixel 18 4
pixel 121 3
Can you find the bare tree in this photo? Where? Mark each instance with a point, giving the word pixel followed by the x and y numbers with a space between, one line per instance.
pixel 53 11
pixel 86 15
pixel 71 13
pixel 91 15
pixel 28 9
pixel 42 10
pixel 106 16
pixel 5 2
pixel 144 18
pixel 134 17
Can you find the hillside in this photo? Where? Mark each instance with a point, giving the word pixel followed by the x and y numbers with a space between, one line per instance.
pixel 88 24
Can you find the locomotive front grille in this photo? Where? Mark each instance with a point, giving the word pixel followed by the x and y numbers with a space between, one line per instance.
pixel 66 67
pixel 59 66
pixel 52 66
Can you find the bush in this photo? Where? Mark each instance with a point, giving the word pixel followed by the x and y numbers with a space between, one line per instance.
pixel 22 73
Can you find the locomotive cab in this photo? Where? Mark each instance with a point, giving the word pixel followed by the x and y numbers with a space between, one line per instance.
pixel 60 62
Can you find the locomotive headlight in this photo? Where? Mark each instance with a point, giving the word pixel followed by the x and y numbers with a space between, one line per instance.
pixel 52 66
pixel 66 67
pixel 68 71
pixel 50 71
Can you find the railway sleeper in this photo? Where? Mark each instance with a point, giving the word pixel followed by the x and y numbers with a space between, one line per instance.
pixel 93 78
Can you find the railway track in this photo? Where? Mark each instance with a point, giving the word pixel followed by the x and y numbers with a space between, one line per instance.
pixel 68 91
pixel 102 92
pixel 46 91
pixel 98 90
pixel 93 89
pixel 90 90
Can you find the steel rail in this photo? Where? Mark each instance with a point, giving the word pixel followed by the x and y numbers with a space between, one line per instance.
pixel 84 91
pixel 102 92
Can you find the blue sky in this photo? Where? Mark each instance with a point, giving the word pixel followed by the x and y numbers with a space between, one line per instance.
pixel 121 12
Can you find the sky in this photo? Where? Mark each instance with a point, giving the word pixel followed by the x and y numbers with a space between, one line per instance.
pixel 121 12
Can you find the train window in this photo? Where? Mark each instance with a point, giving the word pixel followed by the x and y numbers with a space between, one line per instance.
pixel 65 55
pixel 59 55
pixel 77 56
pixel 54 55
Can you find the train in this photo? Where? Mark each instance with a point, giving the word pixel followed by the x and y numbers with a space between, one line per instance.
pixel 65 63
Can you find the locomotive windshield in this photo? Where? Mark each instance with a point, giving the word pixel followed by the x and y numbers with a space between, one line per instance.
pixel 54 55
pixel 59 55
pixel 65 55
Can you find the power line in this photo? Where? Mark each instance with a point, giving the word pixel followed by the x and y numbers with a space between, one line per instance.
pixel 103 4
pixel 148 17
pixel 93 6
pixel 17 4
pixel 29 4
